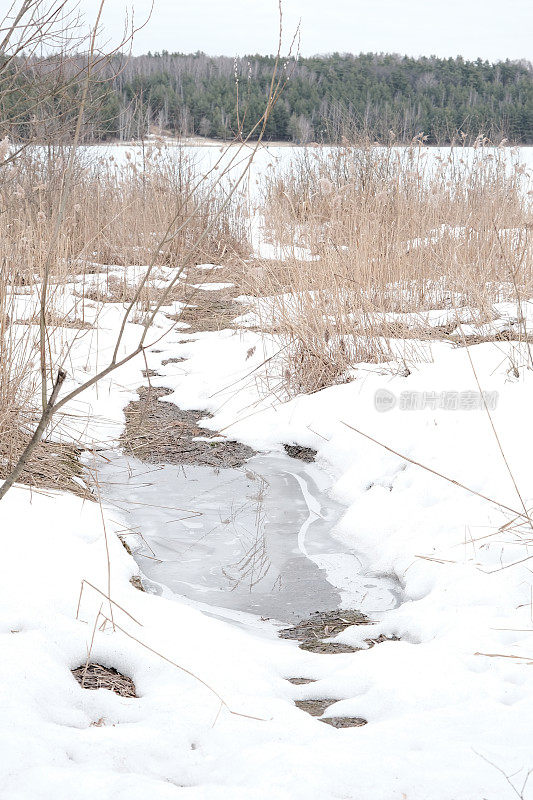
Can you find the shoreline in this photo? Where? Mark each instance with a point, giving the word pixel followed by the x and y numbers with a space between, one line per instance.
pixel 220 143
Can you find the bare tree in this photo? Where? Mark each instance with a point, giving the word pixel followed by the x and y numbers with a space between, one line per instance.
pixel 237 157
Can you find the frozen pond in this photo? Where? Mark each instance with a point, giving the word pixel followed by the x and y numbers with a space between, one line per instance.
pixel 257 539
pixel 222 156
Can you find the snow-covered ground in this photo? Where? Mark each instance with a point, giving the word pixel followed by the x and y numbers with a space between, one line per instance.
pixel 448 695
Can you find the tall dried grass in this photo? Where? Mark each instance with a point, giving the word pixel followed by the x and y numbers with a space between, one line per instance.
pixel 388 231
pixel 118 207
pixel 117 213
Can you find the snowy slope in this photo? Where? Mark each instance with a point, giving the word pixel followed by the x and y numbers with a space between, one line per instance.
pixel 440 702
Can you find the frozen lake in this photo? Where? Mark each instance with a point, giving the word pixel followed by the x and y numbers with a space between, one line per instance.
pixel 215 158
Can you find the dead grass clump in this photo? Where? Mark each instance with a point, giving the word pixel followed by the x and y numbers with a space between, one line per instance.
pixel 210 314
pixel 315 364
pixel 306 454
pixel 324 625
pixel 51 466
pixel 95 676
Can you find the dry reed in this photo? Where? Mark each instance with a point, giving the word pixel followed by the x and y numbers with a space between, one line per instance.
pixel 116 215
pixel 389 231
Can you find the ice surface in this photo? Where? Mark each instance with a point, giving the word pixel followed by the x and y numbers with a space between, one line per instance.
pixel 256 539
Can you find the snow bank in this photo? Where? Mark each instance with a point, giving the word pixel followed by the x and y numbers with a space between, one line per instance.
pixel 439 705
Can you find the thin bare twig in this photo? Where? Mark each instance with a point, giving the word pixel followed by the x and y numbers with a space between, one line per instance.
pixel 520 514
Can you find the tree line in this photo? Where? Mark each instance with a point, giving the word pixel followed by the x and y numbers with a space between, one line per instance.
pixel 386 97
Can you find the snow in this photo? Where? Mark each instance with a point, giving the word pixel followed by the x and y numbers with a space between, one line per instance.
pixel 212 287
pixel 430 708
pixel 434 706
pixel 449 700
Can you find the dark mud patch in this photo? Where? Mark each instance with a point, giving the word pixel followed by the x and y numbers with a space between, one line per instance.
pixel 172 361
pixel 162 433
pixel 316 708
pixel 324 625
pixel 96 676
pixel 306 454
pixel 301 681
pixel 327 648
pixel 344 722
pixel 313 632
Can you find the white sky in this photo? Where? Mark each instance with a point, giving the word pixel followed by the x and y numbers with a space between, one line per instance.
pixel 492 29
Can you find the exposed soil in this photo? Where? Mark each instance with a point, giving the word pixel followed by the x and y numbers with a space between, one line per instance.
pixel 210 309
pixel 324 625
pixel 317 707
pixel 136 582
pixel 172 361
pixel 344 722
pixel 96 676
pixel 306 454
pixel 159 432
pixel 314 707
pixel 501 336
pixel 328 648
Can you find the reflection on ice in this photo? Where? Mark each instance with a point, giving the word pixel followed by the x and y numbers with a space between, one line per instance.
pixel 255 539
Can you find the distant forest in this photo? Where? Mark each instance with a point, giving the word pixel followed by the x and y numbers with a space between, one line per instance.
pixel 325 97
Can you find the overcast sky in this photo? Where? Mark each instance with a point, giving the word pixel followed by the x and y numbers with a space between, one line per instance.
pixel 492 29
